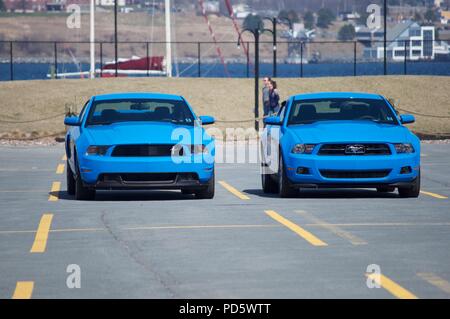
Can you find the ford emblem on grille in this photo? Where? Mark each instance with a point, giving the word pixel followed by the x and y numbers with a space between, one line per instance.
pixel 355 149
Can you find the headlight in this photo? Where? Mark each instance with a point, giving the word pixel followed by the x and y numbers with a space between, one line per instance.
pixel 97 150
pixel 303 148
pixel 181 150
pixel 404 148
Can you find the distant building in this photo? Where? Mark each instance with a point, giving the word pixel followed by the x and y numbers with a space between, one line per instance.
pixel 349 16
pixel 445 17
pixel 25 5
pixel 420 43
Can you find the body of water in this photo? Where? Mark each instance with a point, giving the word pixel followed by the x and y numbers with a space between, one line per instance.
pixel 35 71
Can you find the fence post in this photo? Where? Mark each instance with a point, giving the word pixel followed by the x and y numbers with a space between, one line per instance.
pixel 147 58
pixel 404 62
pixel 248 60
pixel 56 60
pixel 11 63
pixel 101 59
pixel 354 58
pixel 199 62
pixel 301 59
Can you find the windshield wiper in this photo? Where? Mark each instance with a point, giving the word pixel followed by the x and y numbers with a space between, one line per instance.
pixel 101 123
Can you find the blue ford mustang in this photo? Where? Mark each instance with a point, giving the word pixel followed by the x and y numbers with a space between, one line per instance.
pixel 339 140
pixel 139 141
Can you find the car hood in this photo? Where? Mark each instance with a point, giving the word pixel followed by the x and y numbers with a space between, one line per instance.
pixel 138 133
pixel 349 131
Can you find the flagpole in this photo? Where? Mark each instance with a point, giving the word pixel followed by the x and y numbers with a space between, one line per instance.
pixel 92 41
pixel 168 40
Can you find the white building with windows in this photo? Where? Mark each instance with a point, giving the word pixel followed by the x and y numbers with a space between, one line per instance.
pixel 419 42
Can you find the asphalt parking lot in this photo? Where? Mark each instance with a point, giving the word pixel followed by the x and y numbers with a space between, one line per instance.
pixel 241 244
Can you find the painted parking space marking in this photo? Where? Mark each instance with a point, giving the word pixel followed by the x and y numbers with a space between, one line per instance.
pixel 136 228
pixel 433 195
pixel 54 196
pixel 392 287
pixel 60 169
pixel 233 190
pixel 436 281
pixel 306 235
pixel 24 290
pixel 40 240
pixel 354 240
pixel 64 157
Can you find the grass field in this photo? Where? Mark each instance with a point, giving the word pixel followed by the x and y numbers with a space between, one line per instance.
pixel 225 99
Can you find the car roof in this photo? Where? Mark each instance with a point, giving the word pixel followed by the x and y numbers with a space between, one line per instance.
pixel 138 95
pixel 328 95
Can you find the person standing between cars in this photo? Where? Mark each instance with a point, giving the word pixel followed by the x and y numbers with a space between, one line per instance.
pixel 274 98
pixel 266 96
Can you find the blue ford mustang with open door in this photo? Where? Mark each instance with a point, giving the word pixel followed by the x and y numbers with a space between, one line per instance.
pixel 339 140
pixel 139 141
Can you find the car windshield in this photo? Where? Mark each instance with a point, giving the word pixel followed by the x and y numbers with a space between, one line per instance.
pixel 105 112
pixel 341 109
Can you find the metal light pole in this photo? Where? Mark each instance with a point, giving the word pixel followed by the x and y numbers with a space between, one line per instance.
pixel 256 34
pixel 168 40
pixel 385 37
pixel 115 36
pixel 92 40
pixel 274 21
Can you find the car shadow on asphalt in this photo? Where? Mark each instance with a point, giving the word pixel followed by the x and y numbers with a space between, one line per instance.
pixel 329 193
pixel 124 196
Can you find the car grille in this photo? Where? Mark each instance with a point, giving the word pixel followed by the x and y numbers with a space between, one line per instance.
pixel 354 173
pixel 143 150
pixel 136 178
pixel 341 149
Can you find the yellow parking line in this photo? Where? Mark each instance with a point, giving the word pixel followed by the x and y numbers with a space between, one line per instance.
pixel 306 235
pixel 434 195
pixel 354 240
pixel 64 158
pixel 391 286
pixel 60 169
pixel 40 241
pixel 56 186
pixel 233 191
pixel 436 281
pixel 24 290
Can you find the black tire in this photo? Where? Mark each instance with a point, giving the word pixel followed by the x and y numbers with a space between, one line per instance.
pixel 70 180
pixel 207 192
pixel 269 185
pixel 82 192
pixel 285 190
pixel 385 189
pixel 268 181
pixel 411 192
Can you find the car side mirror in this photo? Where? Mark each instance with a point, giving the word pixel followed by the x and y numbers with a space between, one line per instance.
pixel 272 120
pixel 207 120
pixel 72 121
pixel 407 118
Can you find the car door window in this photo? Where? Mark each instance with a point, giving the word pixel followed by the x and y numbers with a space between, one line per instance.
pixel 83 111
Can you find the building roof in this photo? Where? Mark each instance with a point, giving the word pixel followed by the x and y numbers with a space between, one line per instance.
pixel 398 29
pixel 445 15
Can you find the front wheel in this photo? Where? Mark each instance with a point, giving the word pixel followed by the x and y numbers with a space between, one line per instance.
pixel 285 190
pixel 82 192
pixel 413 190
pixel 208 192
pixel 70 180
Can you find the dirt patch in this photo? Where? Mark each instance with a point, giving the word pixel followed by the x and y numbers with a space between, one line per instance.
pixel 33 109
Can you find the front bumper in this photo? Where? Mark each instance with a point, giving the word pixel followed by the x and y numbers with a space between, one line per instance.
pixel 317 163
pixel 93 168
